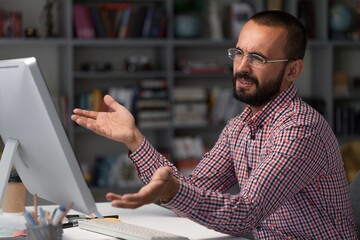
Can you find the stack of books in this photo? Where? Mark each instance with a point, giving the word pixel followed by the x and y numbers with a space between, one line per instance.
pixel 152 104
pixel 119 20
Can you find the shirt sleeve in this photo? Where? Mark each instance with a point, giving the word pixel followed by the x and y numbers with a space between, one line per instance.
pixel 214 172
pixel 295 159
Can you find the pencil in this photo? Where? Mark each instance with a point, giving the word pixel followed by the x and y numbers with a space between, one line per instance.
pixel 35 205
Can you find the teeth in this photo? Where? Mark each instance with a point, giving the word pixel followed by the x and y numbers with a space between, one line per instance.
pixel 245 82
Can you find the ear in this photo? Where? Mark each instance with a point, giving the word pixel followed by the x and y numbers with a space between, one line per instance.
pixel 294 69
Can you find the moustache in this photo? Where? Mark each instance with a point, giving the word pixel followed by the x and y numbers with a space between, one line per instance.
pixel 245 76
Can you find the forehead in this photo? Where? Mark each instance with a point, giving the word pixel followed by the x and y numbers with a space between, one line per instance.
pixel 268 40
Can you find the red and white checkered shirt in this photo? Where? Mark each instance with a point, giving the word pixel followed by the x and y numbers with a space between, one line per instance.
pixel 287 164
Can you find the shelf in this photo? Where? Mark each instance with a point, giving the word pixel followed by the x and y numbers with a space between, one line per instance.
pixel 203 43
pixel 117 1
pixel 345 43
pixel 114 42
pixel 350 98
pixel 5 42
pixel 215 75
pixel 119 75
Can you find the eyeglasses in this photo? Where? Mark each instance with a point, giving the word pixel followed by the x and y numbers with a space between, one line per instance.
pixel 253 59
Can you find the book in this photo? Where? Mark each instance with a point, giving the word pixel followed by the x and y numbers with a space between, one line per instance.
pixel 125 96
pixel 137 21
pixel 147 22
pixel 10 24
pixel 153 114
pixel 189 93
pixel 223 106
pixel 153 83
pixel 108 21
pixel 190 113
pixel 124 25
pixel 98 23
pixel 153 93
pixel 152 103
pixel 83 24
pixel 158 24
pixel 112 15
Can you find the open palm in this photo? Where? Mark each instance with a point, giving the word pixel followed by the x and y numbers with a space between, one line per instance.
pixel 118 124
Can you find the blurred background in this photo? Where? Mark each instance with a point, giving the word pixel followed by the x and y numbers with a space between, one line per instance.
pixel 166 61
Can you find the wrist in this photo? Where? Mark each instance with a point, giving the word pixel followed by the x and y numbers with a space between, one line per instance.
pixel 172 190
pixel 137 141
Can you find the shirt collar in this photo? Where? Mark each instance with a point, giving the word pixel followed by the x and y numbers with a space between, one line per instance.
pixel 262 116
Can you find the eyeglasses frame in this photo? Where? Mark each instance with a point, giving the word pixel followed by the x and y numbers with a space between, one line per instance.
pixel 263 62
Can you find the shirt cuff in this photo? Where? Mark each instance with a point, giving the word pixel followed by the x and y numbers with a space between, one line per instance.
pixel 185 200
pixel 143 157
pixel 139 148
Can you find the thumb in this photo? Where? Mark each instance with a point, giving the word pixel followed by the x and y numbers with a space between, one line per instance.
pixel 162 173
pixel 111 103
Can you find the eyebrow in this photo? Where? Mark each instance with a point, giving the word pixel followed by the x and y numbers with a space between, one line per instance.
pixel 257 53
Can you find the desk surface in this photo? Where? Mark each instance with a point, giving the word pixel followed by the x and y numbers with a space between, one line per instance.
pixel 151 216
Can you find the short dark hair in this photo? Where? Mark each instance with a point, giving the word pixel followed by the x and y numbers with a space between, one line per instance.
pixel 297 37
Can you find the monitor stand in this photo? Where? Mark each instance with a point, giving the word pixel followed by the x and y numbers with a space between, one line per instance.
pixel 9 155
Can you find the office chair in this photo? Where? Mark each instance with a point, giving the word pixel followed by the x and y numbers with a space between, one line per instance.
pixel 355 200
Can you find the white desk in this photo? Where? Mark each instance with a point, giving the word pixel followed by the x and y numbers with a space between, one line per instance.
pixel 152 216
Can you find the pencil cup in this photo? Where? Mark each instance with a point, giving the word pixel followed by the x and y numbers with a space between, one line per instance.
pixel 14 197
pixel 44 232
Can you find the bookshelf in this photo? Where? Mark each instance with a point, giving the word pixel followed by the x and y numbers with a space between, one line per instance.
pixel 74 66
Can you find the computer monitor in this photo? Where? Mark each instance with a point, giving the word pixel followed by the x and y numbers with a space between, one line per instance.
pixel 35 139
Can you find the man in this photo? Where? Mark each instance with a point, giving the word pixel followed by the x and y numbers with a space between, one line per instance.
pixel 281 152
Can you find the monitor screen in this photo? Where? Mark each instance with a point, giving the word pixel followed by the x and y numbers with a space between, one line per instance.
pixel 35 140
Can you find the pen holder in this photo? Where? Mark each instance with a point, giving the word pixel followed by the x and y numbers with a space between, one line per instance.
pixel 45 232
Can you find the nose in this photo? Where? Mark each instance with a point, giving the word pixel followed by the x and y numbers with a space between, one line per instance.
pixel 242 65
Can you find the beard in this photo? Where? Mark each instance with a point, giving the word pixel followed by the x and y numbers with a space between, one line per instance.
pixel 263 94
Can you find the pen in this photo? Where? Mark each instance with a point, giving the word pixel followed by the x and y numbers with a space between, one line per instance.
pixel 29 218
pixel 58 214
pixel 70 224
pixel 68 208
pixel 42 217
pixel 77 216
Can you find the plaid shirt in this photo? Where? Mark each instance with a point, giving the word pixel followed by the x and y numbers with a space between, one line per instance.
pixel 287 164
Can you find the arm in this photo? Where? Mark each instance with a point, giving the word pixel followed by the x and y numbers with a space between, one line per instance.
pixel 148 163
pixel 289 168
pixel 220 176
pixel 119 125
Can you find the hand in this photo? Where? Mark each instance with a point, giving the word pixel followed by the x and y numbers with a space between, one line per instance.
pixel 163 185
pixel 117 125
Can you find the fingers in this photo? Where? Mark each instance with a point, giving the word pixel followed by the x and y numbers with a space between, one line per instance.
pixel 84 118
pixel 127 201
pixel 84 113
pixel 162 186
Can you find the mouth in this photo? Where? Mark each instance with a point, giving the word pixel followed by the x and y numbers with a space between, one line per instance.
pixel 244 80
pixel 244 83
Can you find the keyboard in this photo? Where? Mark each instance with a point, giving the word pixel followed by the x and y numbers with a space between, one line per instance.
pixel 123 230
